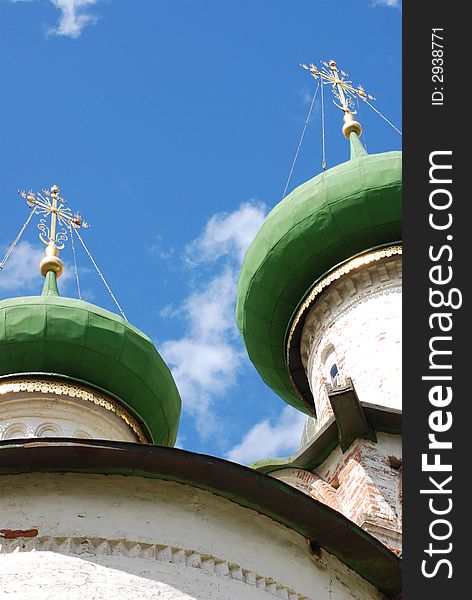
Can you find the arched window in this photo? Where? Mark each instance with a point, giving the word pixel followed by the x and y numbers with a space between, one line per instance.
pixel 331 368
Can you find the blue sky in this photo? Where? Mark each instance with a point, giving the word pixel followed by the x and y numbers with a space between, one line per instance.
pixel 171 125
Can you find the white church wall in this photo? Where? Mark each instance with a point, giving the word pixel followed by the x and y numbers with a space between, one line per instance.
pixel 353 330
pixel 94 536
pixel 356 323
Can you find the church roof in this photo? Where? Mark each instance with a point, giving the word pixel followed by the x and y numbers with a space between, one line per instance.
pixel 345 211
pixel 73 339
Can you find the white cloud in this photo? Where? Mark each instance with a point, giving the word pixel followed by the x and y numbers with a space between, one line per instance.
pixel 268 440
pixel 22 269
pixel 73 18
pixel 206 360
pixel 388 3
pixel 21 272
pixel 227 234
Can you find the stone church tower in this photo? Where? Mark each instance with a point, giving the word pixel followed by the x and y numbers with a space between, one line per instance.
pixel 319 309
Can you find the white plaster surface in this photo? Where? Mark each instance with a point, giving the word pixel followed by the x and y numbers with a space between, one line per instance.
pixel 360 317
pixel 95 536
pixel 76 412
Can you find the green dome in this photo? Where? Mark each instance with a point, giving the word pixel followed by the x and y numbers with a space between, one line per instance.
pixel 54 335
pixel 349 209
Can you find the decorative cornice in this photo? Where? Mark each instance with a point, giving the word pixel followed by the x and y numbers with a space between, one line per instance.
pixel 60 388
pixel 346 268
pixel 294 361
pixel 206 563
pixel 368 281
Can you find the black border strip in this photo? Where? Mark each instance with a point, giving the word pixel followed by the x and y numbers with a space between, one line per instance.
pixel 431 125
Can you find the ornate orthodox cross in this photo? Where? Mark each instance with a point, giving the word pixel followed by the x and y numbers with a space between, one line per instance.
pixel 343 89
pixel 49 204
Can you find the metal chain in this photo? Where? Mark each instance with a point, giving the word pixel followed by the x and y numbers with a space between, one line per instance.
pixel 17 239
pixel 100 274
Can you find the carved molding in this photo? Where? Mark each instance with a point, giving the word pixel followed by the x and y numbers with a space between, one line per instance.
pixel 206 563
pixel 62 388
pixel 350 266
pixel 371 280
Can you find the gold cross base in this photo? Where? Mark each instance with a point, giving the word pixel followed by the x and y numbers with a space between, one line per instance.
pixel 351 125
pixel 51 262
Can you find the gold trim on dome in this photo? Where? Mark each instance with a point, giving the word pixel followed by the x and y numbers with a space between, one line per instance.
pixel 45 386
pixel 348 267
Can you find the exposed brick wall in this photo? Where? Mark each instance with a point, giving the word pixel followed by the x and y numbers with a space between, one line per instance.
pixel 310 484
pixel 358 317
pixel 361 483
pixel 368 487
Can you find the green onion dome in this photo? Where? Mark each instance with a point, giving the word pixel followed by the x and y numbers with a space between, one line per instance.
pixel 348 210
pixel 73 339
